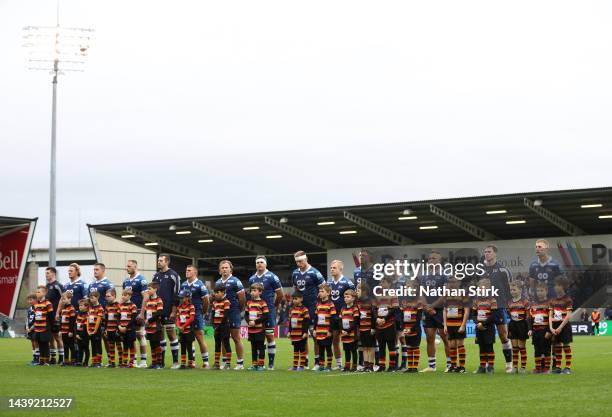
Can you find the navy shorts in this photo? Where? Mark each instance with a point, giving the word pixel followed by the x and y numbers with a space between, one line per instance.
pixel 198 322
pixel 234 319
pixel 500 316
pixel 271 323
pixel 435 321
pixel 312 310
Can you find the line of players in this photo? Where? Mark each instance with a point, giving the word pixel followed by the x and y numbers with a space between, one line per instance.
pixel 330 307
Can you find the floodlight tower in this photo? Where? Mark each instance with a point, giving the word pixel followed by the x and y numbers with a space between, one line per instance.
pixel 57 50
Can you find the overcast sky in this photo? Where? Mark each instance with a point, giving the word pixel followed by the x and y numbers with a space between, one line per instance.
pixel 214 107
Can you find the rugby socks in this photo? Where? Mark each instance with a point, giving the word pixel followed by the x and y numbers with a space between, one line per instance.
pixel 431 362
pixel 558 352
pixel 515 356
pixel 111 353
pixel 271 354
pixel 491 359
pixel 60 356
pixel 392 359
pixel 228 358
pixel 523 352
pixel 382 361
pixel 204 357
pixel 296 358
pixel 162 346
pixel 483 359
pixel 52 354
pixel 360 353
pixel 377 356
pixel 174 347
pixel 449 360
pixel 404 356
pixel 453 357
pixel 547 362
pixel 413 357
pixel 339 361
pixel 567 349
pixel 124 358
pixel 239 361
pixel 35 355
pixel 461 350
pixel 316 360
pixel 507 351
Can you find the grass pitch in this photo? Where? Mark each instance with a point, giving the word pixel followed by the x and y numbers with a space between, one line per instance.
pixel 140 392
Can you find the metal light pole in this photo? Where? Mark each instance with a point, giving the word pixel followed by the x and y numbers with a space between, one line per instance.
pixel 58 50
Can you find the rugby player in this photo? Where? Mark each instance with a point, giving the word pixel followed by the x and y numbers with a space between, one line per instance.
pixel 338 284
pixel 234 291
pixel 200 301
pixel 306 279
pixel 169 285
pixel 434 321
pixel 137 284
pixel 544 269
pixel 273 295
pixel 500 278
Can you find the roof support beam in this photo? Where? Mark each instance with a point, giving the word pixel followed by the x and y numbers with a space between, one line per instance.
pixel 472 229
pixel 388 234
pixel 167 244
pixel 301 234
pixel 549 216
pixel 238 242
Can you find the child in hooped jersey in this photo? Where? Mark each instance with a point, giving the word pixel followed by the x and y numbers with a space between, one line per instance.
pixel 367 329
pixel 256 314
pixel 411 315
pixel 154 309
pixel 349 328
pixel 455 314
pixel 185 317
pixel 540 333
pixel 560 311
pixel 29 328
pixel 128 312
pixel 82 339
pixel 220 321
pixel 483 308
pixel 95 315
pixel 518 328
pixel 325 313
pixel 299 320
pixel 68 328
pixel 111 324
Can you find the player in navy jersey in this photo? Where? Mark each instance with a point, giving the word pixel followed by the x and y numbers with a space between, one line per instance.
pixel 200 301
pixel 234 292
pixel 365 272
pixel 169 286
pixel 338 284
pixel 434 320
pixel 364 275
pixel 307 279
pixel 137 284
pixel 54 294
pixel 76 286
pixel 544 269
pixel 273 295
pixel 101 284
pixel 500 278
